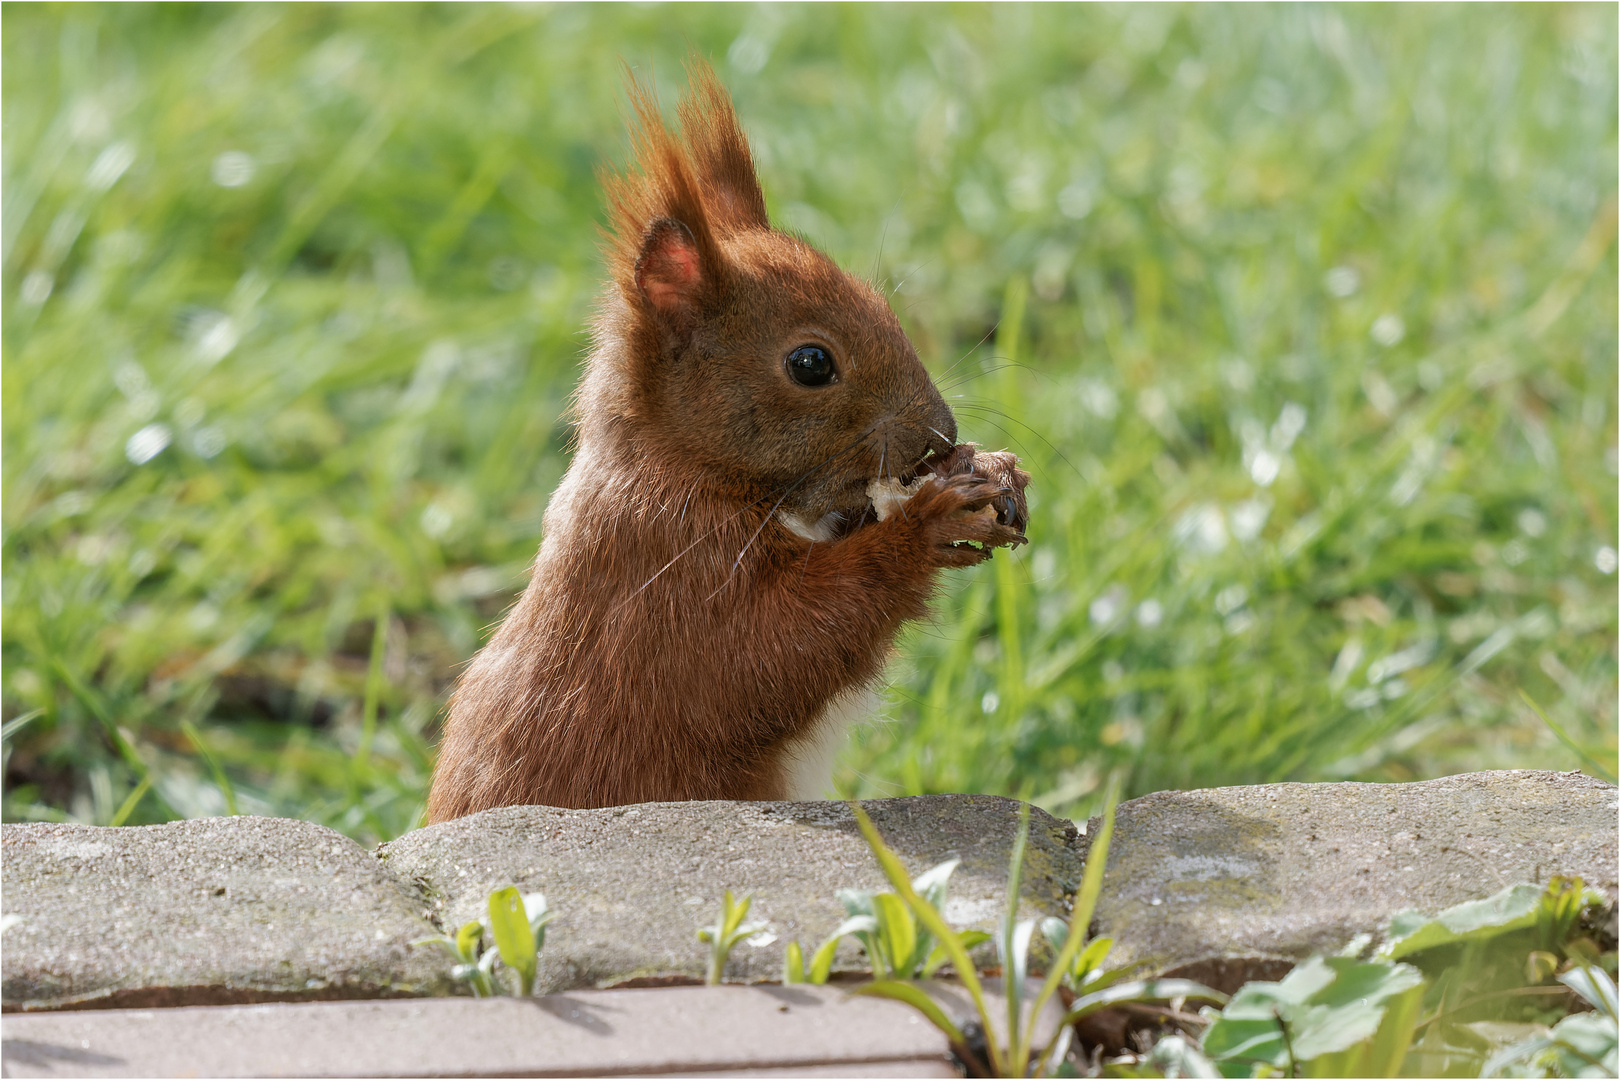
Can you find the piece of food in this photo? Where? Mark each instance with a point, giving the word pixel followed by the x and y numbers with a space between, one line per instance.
pixel 889 495
pixel 998 465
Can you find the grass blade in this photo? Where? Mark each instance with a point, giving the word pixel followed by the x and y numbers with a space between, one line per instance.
pixel 129 804
pixel 1141 990
pixel 1085 901
pixel 220 779
pixel 17 723
pixel 926 914
pixel 1564 738
pixel 374 685
pixel 1011 967
pixel 912 995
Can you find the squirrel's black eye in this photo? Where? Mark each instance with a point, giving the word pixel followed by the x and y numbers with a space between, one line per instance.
pixel 811 366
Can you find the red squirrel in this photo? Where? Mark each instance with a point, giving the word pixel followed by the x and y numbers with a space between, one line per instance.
pixel 765 485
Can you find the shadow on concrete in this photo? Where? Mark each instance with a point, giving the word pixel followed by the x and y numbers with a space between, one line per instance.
pixel 576 1009
pixel 49 1056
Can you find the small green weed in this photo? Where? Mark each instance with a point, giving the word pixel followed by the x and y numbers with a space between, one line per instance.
pixel 1015 1052
pixel 517 923
pixel 896 946
pixel 1480 989
pixel 1579 1045
pixel 725 932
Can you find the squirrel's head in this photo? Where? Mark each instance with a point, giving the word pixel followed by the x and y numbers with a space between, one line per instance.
pixel 741 349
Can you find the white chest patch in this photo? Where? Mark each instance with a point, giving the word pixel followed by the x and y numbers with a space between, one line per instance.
pixel 808 762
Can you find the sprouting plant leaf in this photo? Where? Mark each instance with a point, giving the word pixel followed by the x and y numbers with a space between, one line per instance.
pixel 1086 969
pixel 931 884
pixel 467 939
pixel 861 927
pixel 463 949
pixel 793 964
pixel 1056 932
pixel 486 970
pixel 900 948
pixel 1015 972
pixel 1015 1053
pixel 1562 904
pixel 539 916
pixel 855 901
pixel 897 933
pixel 726 931
pixel 509 924
pixel 517 924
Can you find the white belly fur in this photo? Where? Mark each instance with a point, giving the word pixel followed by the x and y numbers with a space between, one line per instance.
pixel 807 763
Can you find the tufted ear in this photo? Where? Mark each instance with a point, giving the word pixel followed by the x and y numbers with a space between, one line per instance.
pixel 725 165
pixel 670 270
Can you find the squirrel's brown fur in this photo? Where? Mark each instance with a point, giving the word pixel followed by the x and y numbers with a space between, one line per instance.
pixel 680 632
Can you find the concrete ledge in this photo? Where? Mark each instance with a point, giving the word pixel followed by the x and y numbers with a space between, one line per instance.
pixel 1222 885
pixel 632 884
pixel 213 910
pixel 1230 884
pixel 730 1030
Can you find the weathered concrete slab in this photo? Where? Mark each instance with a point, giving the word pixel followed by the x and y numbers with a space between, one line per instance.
pixel 212 910
pixel 1221 885
pixel 730 1030
pixel 633 884
pixel 1281 871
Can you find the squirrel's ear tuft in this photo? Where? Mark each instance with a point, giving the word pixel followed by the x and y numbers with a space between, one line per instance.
pixel 725 165
pixel 669 270
pixel 678 198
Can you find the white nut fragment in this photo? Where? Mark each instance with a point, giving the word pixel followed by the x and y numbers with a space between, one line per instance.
pixel 888 496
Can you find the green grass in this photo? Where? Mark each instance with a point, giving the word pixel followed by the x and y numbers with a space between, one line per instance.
pixel 1304 319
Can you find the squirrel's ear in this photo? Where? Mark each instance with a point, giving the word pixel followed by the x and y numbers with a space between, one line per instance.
pixel 670 270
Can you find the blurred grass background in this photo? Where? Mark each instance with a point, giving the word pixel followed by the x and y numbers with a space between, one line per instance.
pixel 1304 319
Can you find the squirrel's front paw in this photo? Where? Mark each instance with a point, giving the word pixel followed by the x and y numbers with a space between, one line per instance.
pixel 959 518
pixel 998 466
